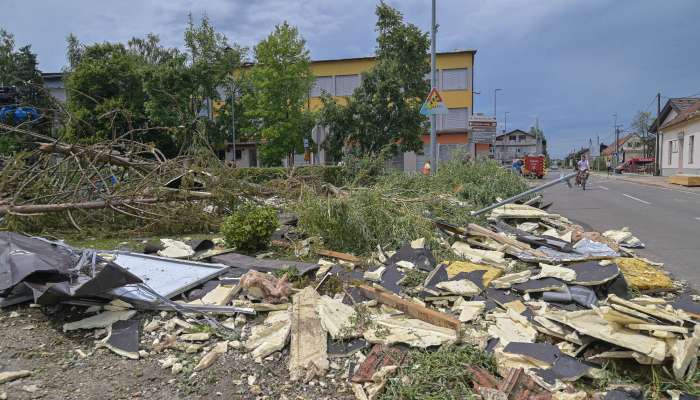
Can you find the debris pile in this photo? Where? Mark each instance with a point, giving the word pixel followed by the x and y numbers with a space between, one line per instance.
pixel 549 302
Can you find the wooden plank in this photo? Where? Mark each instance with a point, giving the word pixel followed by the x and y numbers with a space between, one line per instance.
pixel 411 309
pixel 339 255
pixel 685 180
pixel 308 354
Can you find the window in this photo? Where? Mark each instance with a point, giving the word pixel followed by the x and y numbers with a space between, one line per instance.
pixel 346 84
pixel 522 138
pixel 239 154
pixel 691 147
pixel 674 146
pixel 323 84
pixel 670 151
pixel 456 118
pixel 454 79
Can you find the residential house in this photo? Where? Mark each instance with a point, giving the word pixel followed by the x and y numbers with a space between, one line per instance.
pixel 515 144
pixel 629 146
pixel 572 158
pixel 678 127
pixel 340 77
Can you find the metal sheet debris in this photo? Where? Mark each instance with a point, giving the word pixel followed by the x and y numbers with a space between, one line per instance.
pixel 166 276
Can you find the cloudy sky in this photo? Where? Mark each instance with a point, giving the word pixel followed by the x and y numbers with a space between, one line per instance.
pixel 572 64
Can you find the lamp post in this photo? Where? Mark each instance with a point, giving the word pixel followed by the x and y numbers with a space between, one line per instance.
pixel 495 93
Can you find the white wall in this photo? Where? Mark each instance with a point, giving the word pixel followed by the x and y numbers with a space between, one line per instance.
pixel 692 129
pixel 672 134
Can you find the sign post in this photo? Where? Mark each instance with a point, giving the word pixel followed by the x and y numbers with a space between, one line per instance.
pixel 432 107
pixel 482 129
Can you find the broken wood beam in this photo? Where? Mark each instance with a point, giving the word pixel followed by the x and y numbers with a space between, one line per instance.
pixel 98 204
pixel 339 255
pixel 478 230
pixel 104 157
pixel 412 309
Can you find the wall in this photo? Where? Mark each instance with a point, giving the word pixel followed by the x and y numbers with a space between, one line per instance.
pixel 688 129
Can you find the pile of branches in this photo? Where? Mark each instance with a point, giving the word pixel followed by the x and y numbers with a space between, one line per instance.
pixel 119 182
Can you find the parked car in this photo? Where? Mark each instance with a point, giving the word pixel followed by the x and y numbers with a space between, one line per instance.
pixel 638 165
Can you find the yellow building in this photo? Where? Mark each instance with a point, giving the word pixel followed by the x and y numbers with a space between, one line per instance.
pixel 340 77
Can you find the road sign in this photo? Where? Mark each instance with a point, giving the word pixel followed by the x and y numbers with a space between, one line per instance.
pixel 482 129
pixel 306 143
pixel 433 104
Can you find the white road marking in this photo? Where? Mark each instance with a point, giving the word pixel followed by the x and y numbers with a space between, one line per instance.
pixel 698 218
pixel 634 198
pixel 603 187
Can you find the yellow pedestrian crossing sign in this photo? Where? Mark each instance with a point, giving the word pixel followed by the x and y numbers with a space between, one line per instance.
pixel 433 104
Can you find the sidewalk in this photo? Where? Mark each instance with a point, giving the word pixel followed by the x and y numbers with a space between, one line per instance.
pixel 658 181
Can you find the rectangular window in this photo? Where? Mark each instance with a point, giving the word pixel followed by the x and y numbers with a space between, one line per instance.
pixel 674 146
pixel 323 84
pixel 691 148
pixel 455 119
pixel 454 79
pixel 346 84
pixel 522 138
pixel 670 151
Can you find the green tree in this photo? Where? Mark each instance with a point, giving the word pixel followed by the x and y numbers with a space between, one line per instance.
pixel 161 95
pixel 384 109
pixel 281 80
pixel 184 88
pixel 641 124
pixel 19 69
pixel 106 96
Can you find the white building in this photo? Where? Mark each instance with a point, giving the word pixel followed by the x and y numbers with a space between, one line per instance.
pixel 516 144
pixel 679 130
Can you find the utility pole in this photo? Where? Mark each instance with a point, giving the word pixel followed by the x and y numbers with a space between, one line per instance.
pixel 233 122
pixel 617 142
pixel 433 84
pixel 657 150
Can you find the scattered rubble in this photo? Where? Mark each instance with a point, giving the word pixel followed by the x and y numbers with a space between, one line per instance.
pixel 549 303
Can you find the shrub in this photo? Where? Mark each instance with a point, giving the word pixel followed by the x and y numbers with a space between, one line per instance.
pixel 249 227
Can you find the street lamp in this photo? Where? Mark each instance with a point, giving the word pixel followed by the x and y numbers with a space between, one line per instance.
pixel 495 92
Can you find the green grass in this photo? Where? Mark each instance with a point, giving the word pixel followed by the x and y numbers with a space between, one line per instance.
pixel 654 380
pixel 437 375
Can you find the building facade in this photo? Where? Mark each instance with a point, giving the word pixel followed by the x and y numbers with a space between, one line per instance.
pixel 55 83
pixel 455 75
pixel 516 144
pixel 629 146
pixel 678 127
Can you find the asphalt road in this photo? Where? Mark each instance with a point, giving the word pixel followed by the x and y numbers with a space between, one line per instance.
pixel 666 220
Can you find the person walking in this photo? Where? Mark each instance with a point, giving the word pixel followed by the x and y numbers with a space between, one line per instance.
pixel 608 165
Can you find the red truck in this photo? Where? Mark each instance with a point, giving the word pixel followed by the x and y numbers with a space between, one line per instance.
pixel 533 167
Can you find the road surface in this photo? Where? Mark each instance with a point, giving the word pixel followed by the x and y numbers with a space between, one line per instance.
pixel 666 220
